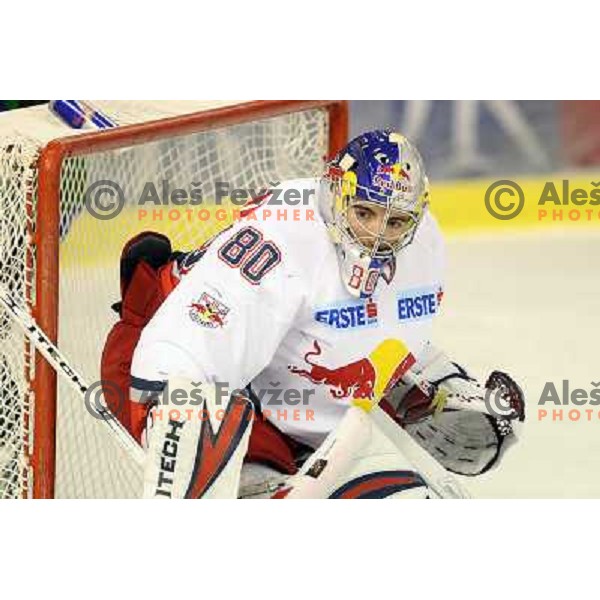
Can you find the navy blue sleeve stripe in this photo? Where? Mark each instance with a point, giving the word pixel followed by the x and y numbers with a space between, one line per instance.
pixel 146 385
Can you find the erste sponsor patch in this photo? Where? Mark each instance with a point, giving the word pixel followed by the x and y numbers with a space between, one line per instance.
pixel 418 304
pixel 348 315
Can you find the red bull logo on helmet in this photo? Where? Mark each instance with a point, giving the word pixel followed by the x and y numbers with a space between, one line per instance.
pixel 393 178
pixel 207 311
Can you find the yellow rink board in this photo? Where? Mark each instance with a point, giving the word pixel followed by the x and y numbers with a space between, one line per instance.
pixel 92 241
pixel 459 207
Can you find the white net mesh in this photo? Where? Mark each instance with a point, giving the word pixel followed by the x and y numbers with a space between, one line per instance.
pixel 248 155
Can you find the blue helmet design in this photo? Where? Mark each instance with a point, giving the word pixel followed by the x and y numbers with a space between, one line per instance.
pixel 383 168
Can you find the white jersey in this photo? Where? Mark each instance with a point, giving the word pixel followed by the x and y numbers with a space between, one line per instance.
pixel 266 306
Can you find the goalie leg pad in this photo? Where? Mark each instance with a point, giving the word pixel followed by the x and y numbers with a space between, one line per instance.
pixel 197 451
pixel 356 460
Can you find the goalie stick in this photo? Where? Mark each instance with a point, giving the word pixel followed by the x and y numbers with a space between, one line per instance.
pixel 441 481
pixel 59 362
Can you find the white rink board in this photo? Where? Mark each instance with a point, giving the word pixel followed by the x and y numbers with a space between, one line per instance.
pixel 529 304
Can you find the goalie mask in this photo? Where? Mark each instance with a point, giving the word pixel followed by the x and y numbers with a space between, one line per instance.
pixel 374 193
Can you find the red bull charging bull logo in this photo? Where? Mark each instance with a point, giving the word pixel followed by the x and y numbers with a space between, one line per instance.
pixel 208 311
pixel 364 381
pixel 355 380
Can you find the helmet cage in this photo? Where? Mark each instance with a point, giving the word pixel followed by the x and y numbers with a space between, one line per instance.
pixel 345 190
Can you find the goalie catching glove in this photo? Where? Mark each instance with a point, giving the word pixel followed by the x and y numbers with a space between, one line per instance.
pixel 464 425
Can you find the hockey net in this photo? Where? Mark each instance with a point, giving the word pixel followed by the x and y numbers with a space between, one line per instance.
pixel 62 263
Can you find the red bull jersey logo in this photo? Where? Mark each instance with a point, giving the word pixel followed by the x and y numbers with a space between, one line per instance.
pixel 355 380
pixel 207 311
pixel 368 378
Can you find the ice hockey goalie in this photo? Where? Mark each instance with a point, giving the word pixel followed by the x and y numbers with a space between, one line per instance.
pixel 279 323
